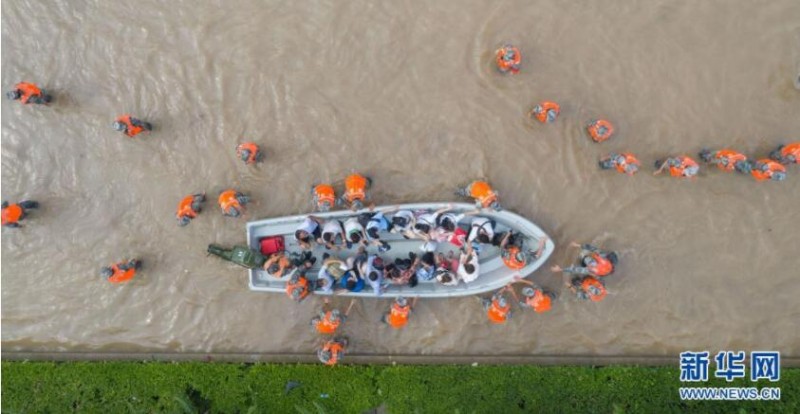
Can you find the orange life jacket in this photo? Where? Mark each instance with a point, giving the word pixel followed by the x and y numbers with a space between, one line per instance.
pixel 498 314
pixel 590 282
pixel 792 149
pixel 511 257
pixel 482 192
pixel 228 199
pixel 131 130
pixel 12 214
pixel 335 349
pixel 541 110
pixel 398 316
pixel 772 168
pixel 728 159
pixel 301 283
pixel 326 325
pixel 28 90
pixel 355 188
pixel 508 65
pixel 539 301
pixel 629 160
pixel 602 266
pixel 252 148
pixel 686 162
pixel 596 130
pixel 120 275
pixel 324 193
pixel 185 207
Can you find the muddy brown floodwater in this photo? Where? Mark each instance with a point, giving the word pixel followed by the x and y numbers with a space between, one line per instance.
pixel 405 92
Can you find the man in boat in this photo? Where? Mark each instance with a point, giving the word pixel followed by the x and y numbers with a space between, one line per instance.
pixel 249 152
pixel 787 154
pixel 354 233
pixel 426 269
pixel 131 126
pixel 372 270
pixel 232 203
pixel 189 207
pixel 588 288
pixel 356 188
pixel 397 317
pixel 374 223
pixel 327 322
pixel 308 232
pixel 513 251
pixel 332 351
pixel 16 212
pixel 481 231
pixel 333 234
pixel 121 272
pixel 469 265
pixel 482 193
pixel 534 296
pixel 324 197
pixel 27 92
pixel 592 261
pixel 403 223
pixel 446 268
pixel 498 308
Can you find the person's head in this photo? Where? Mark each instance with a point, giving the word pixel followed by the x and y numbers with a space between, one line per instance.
pixel 446 277
pixel 422 228
pixel 594 290
pixel 448 224
pixel 778 175
pixel 325 206
pixel 273 268
pixel 351 284
pixel 106 272
pixel 483 237
pixel 327 237
pixel 13 95
pixel 495 206
pixel 373 276
pixel 355 237
pixel 502 302
pixel 372 232
pixel 428 259
pixel 356 205
pixel 674 162
pixel 706 155
pixel 245 155
pixel 589 261
pixel 242 199
pixel 377 263
pixel 119 126
pixel 401 301
pixel 469 268
pixel 297 293
pixel 528 291
pixel 335 315
pixel 509 54
pixel 184 220
pixel 399 223
pixel 302 235
pixel 324 355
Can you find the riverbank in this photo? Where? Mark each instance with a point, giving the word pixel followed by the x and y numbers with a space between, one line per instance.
pixel 221 387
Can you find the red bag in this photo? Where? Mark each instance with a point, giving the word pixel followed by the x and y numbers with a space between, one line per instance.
pixel 459 237
pixel 271 245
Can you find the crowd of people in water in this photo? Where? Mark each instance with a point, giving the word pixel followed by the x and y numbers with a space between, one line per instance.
pixel 360 270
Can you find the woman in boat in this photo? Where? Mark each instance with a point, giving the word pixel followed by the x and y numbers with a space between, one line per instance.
pixel 354 233
pixel 427 267
pixel 351 282
pixel 333 234
pixel 374 224
pixel 402 271
pixel 468 266
pixel 403 223
pixel 330 272
pixel 309 231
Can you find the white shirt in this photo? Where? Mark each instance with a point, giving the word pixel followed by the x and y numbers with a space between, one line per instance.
pixel 469 277
pixel 309 226
pixel 352 226
pixel 478 224
pixel 333 227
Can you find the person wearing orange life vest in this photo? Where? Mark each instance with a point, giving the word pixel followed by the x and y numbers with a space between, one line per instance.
pixel 535 297
pixel 397 316
pixel 27 92
pixel 131 126
pixel 588 287
pixel 298 287
pixel 249 152
pixel 189 207
pixel 600 130
pixel 513 252
pixel 593 261
pixel 332 351
pixel 327 322
pixel 498 310
pixel 121 272
pixel 767 169
pixel 625 163
pixel 726 160
pixel 508 59
pixel 324 197
pixel 680 166
pixel 482 193
pixel 14 213
pixel 356 188
pixel 232 203
pixel 787 154
pixel 545 112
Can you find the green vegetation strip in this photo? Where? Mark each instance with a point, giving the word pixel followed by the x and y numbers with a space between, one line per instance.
pixel 134 387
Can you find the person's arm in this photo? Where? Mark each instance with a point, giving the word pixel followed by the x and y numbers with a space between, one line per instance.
pixel 413 303
pixel 350 307
pixel 519 279
pixel 540 247
pixel 660 169
pixel 504 242
pixel 513 293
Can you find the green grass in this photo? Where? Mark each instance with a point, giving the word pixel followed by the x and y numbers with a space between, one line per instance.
pixel 134 387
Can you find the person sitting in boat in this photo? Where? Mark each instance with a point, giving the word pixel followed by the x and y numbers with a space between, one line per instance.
pixel 121 272
pixel 354 233
pixel 249 152
pixel 403 223
pixel 498 308
pixel 588 288
pixel 232 203
pixel 298 288
pixel 426 269
pixel 351 281
pixel 332 351
pixel 403 271
pixel 324 197
pixel 482 193
pixel 593 261
pixel 534 297
pixel 448 230
pixel 327 322
pixel 372 271
pixel 189 208
pixel 374 223
pixel 680 167
pixel 309 231
pixel 513 253
pixel 16 212
pixel 726 160
pixel 331 272
pixel 787 154
pixel 27 92
pixel 333 234
pixel 468 265
pixel 481 230
pixel 397 317
pixel 355 191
